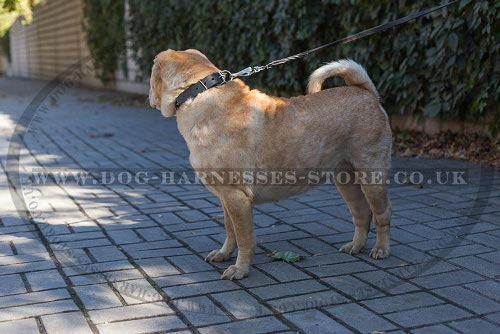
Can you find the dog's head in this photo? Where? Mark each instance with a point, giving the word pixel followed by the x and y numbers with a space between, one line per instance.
pixel 173 72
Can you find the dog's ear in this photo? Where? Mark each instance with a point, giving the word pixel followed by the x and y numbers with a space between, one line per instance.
pixel 196 52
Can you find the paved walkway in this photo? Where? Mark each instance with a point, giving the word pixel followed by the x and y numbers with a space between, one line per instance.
pixel 127 258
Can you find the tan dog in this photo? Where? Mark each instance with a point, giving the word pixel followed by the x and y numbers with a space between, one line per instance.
pixel 233 127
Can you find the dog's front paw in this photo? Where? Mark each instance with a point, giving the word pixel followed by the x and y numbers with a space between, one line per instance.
pixel 217 256
pixel 352 248
pixel 380 252
pixel 234 272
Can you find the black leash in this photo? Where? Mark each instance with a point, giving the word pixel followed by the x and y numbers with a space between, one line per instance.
pixel 255 69
pixel 220 78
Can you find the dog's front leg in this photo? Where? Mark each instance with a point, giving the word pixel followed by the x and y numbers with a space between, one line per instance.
pixel 239 207
pixel 224 254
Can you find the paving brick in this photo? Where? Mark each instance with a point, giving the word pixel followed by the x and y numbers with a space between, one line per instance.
pixel 283 272
pixel 201 311
pixel 494 317
pixel 353 287
pixel 110 276
pixel 130 312
pixel 402 302
pixel 72 256
pixel 124 236
pixel 428 315
pixel 307 301
pixel 11 284
pixel 315 246
pixel 436 329
pixel 152 233
pixel 75 237
pixel 97 267
pixel 352 313
pixel 469 299
pixel 158 324
pixel 97 296
pixel 137 291
pixel 107 253
pixel 315 322
pixel 241 304
pixel 287 289
pixel 478 265
pixel 181 279
pixel 26 326
pixel 192 215
pixel 190 263
pixel 47 279
pixel 73 322
pixel 26 267
pixel 486 288
pixel 195 289
pixel 254 326
pixel 33 297
pixel 340 269
pixel 320 260
pixel 387 282
pixel 475 326
pixel 33 310
pixel 157 267
pixel 451 278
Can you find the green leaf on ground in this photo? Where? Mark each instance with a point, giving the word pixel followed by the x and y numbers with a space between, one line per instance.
pixel 287 256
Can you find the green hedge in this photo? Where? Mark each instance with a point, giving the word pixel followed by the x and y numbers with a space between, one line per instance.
pixel 443 64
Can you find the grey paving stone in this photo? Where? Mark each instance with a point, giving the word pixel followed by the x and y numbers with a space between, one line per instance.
pixel 27 267
pixel 157 267
pixel 29 246
pixel 428 315
pixel 436 329
pixel 47 279
pixel 137 291
pixel 320 260
pixel 75 237
pixel 402 302
pixel 475 326
pixel 195 289
pixel 387 282
pixel 110 276
pixel 107 253
pixel 315 322
pixel 11 284
pixel 241 304
pixel 478 265
pixel 254 326
pixel 307 301
pixel 164 323
pixel 283 272
pixel 451 278
pixel 353 287
pixel 97 267
pixel 352 313
pixel 130 312
pixel 97 296
pixel 124 236
pixel 143 246
pixel 315 246
pixel 152 233
pixel 33 310
pixel 188 278
pixel 201 311
pixel 190 263
pixel 340 269
pixel 33 297
pixel 72 322
pixel 487 288
pixel 494 317
pixel 25 326
pixel 469 299
pixel 287 289
pixel 192 216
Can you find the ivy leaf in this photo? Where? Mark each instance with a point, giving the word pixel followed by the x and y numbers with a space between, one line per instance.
pixel 288 256
pixel 453 41
pixel 433 108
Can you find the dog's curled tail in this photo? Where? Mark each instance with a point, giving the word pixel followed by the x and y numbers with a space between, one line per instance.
pixel 353 74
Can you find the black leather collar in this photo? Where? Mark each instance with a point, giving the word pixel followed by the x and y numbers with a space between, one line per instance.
pixel 214 79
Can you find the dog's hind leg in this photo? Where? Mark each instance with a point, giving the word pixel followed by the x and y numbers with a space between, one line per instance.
pixel 377 196
pixel 239 207
pixel 225 253
pixel 360 211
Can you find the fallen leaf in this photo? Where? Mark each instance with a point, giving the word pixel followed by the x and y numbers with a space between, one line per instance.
pixel 287 256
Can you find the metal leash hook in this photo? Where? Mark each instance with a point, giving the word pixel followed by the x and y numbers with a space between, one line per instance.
pixel 247 71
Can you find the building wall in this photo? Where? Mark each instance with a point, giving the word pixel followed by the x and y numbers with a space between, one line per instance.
pixel 54 44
